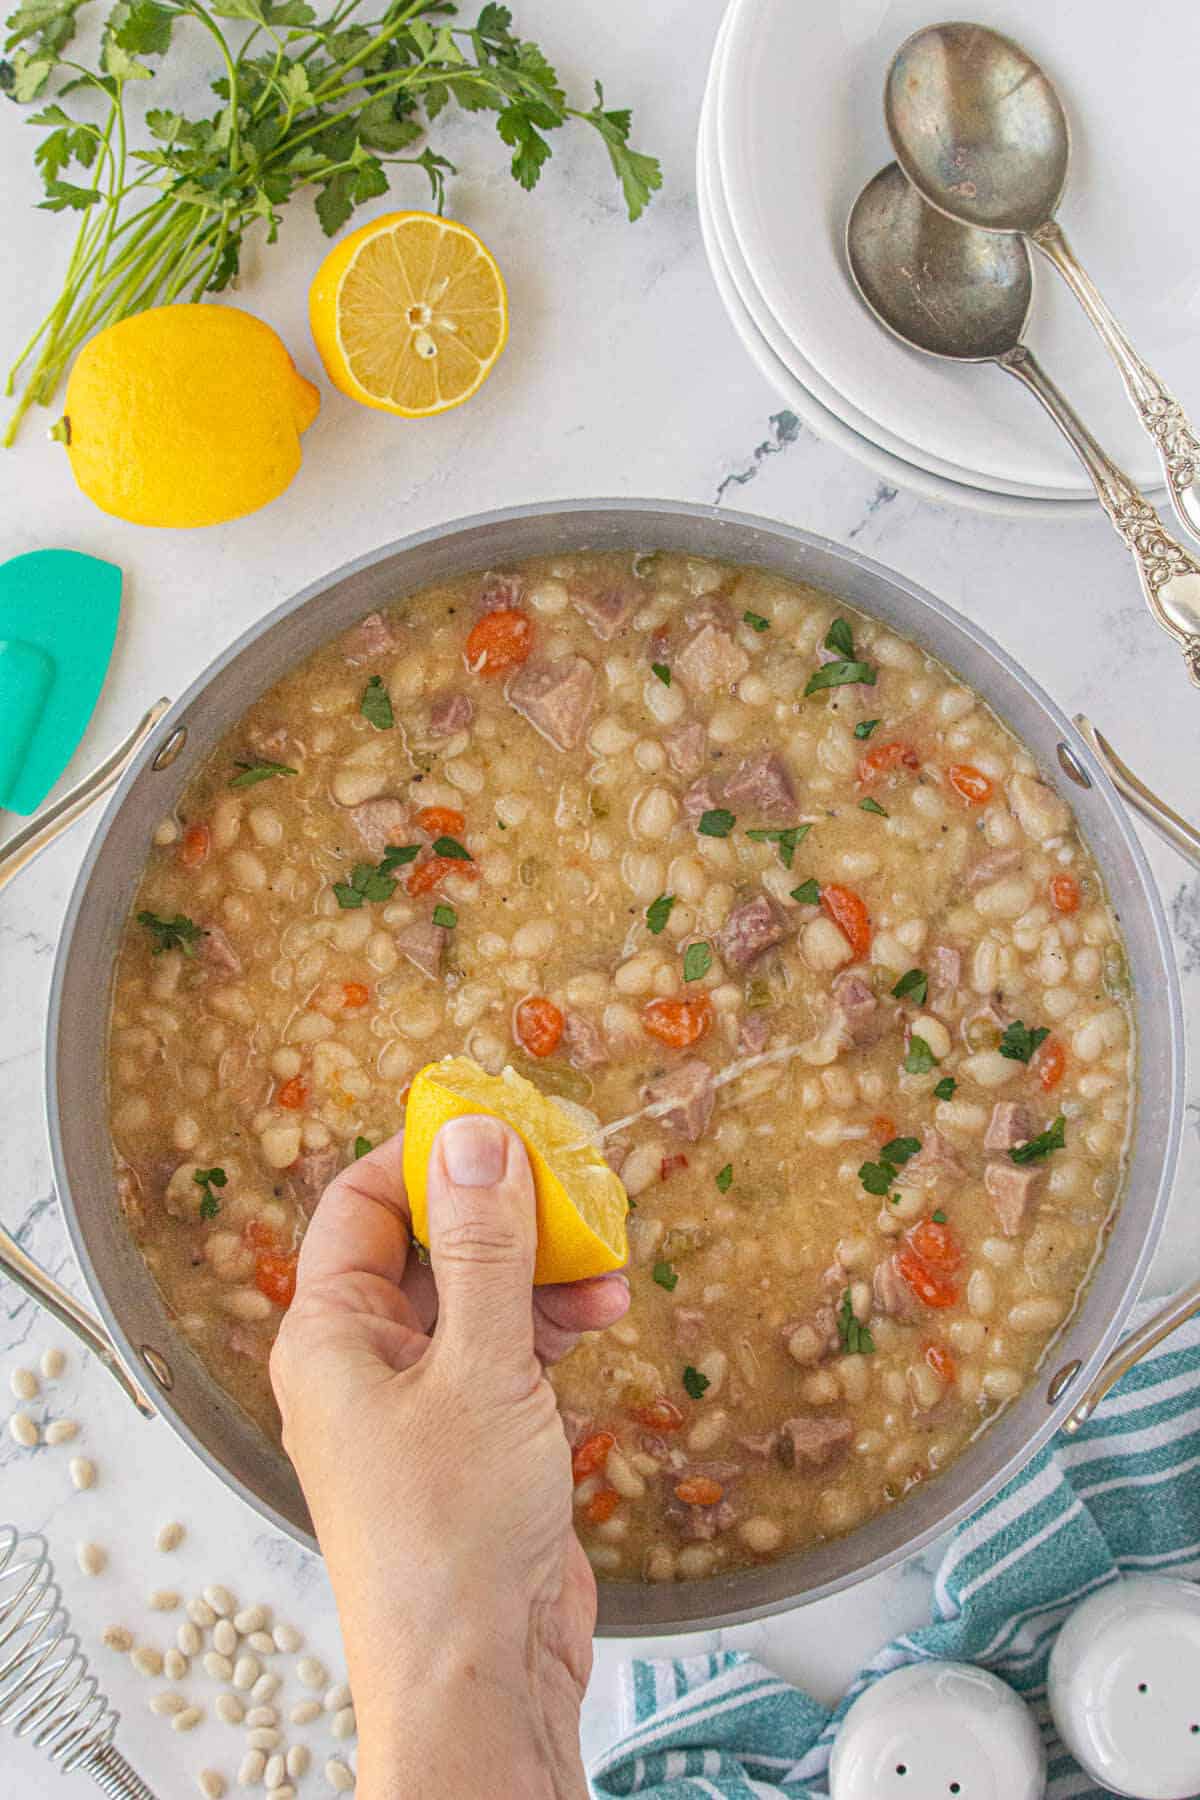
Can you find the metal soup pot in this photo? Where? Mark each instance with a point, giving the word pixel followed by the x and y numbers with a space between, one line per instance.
pixel 136 1321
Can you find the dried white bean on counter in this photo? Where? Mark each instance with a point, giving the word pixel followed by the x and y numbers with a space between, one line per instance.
pixel 339 1776
pixel 92 1558
pixel 224 1637
pixel 287 1638
pixel 175 1665
pixel 262 1715
pixel 229 1708
pixel 166 1702
pixel 250 1770
pixel 54 1361
pixel 163 1600
pixel 252 1618
pixel 83 1472
pixel 221 1600
pixel 338 1696
pixel 170 1536
pixel 264 1737
pixel 343 1724
pixel 276 1769
pixel 61 1431
pixel 24 1384
pixel 147 1660
pixel 116 1637
pixel 212 1784
pixel 188 1719
pixel 305 1711
pixel 299 1759
pixel 311 1671
pixel 246 1671
pixel 24 1430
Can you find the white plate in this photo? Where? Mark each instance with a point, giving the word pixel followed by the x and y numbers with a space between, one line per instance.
pixel 827 425
pixel 787 352
pixel 800 128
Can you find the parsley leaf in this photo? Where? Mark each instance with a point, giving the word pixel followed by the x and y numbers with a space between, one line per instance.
pixel 916 983
pixel 396 855
pixel 877 1177
pixel 920 1058
pixel 369 883
pixel 697 961
pixel 900 1150
pixel 448 846
pixel 839 637
pixel 254 772
pixel 944 1089
pixel 663 673
pixel 666 1275
pixel 725 1178
pixel 856 1339
pixel 808 893
pixel 376 703
pixel 938 1217
pixel 445 916
pixel 718 821
pixel 179 933
pixel 865 727
pixel 1019 1042
pixel 785 841
pixel 695 1383
pixel 839 674
pixel 1039 1147
pixel 362 1146
pixel 658 912
pixel 755 621
pixel 873 806
pixel 206 1180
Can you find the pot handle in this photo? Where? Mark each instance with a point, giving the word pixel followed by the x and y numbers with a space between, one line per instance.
pixel 41 1287
pixel 1130 1350
pixel 53 820
pixel 1163 818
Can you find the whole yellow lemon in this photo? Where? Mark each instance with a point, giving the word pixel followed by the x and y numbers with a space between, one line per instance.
pixel 185 415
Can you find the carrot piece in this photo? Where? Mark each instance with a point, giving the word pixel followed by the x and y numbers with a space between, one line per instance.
pixel 592 1454
pixel 699 1490
pixel 602 1506
pixel 931 1288
pixel 941 1361
pixel 883 1127
pixel 355 993
pixel 1050 1063
pixel 936 1244
pixel 1064 893
pixel 669 1164
pixel 970 783
pixel 659 1415
pixel 194 846
pixel 442 821
pixel 275 1276
pixel 539 1025
pixel 426 875
pixel 848 911
pixel 885 759
pixel 500 641
pixel 678 1022
pixel 259 1235
pixel 292 1094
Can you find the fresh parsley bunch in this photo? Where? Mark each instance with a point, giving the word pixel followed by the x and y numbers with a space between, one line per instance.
pixel 302 102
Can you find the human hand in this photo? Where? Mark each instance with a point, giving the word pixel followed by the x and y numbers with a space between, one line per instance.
pixel 437 1473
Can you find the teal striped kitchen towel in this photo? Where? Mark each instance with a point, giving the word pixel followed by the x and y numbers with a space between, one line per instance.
pixel 1123 1494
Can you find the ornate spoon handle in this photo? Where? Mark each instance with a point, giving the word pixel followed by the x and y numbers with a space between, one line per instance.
pixel 1161 414
pixel 1169 575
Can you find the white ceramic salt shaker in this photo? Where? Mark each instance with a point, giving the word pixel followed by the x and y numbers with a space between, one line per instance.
pixel 1124 1687
pixel 935 1730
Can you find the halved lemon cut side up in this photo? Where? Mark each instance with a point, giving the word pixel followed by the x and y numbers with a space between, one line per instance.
pixel 409 314
pixel 581 1204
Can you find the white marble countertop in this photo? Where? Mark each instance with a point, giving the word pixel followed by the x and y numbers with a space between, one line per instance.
pixel 623 377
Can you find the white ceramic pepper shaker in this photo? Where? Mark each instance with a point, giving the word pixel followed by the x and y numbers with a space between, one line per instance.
pixel 1124 1687
pixel 934 1729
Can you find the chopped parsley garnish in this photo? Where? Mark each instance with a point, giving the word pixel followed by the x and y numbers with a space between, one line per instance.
pixel 877 1177
pixel 362 1146
pixel 873 806
pixel 179 933
pixel 865 727
pixel 839 674
pixel 396 855
pixel 755 621
pixel 900 1150
pixel 445 916
pixel 718 821
pixel 916 983
pixel 938 1217
pixel 658 912
pixel 920 1058
pixel 1019 1042
pixel 808 893
pixel 839 637
pixel 448 846
pixel 695 1384
pixel 697 961
pixel 944 1089
pixel 254 772
pixel 725 1178
pixel 663 673
pixel 376 705
pixel 368 882
pixel 665 1275
pixel 785 841
pixel 856 1339
pixel 206 1180
pixel 1053 1138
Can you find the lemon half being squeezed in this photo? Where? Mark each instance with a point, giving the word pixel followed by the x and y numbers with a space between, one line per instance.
pixel 581 1204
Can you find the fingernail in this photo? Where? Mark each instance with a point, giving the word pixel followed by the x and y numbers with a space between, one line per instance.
pixel 474 1151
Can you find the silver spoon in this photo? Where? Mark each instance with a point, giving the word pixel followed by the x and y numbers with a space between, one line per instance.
pixel 964 294
pixel 979 129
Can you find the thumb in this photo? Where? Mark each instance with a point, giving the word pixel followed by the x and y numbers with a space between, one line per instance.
pixel 482 1240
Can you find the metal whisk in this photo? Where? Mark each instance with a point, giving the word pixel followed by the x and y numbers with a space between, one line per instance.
pixel 47 1691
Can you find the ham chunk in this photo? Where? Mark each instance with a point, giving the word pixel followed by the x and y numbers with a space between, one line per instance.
pixel 691 1089
pixel 1011 1124
pixel 689 1324
pixel 685 746
pixel 371 637
pixel 311 1174
pixel 936 1161
pixel 423 942
pixel 450 713
pixel 857 1010
pixel 216 952
pixel 813 1443
pixel 892 1294
pixel 762 785
pixel 381 822
pixel 699 1524
pixel 946 977
pixel 700 798
pixel 753 1033
pixel 991 866
pixel 556 698
pixel 586 1047
pixel 606 609
pixel 1011 1190
pixel 498 592
pixel 749 930
pixel 711 661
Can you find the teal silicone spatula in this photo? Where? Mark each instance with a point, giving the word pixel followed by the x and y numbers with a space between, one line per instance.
pixel 58 623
